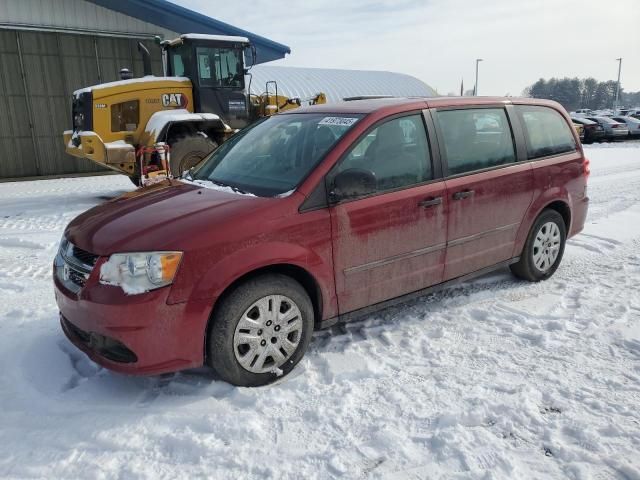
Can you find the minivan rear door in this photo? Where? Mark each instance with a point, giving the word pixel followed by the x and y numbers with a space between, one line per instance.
pixel 391 241
pixel 488 190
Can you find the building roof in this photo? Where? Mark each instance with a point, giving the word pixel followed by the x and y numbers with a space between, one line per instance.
pixel 182 20
pixel 336 84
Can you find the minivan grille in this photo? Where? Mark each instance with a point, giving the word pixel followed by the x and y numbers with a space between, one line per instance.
pixel 73 265
pixel 84 256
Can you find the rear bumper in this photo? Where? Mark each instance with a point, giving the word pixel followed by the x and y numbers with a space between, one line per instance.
pixel 579 214
pixel 139 334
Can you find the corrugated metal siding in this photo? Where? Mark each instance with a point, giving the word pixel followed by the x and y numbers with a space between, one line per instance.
pixel 17 155
pixel 336 84
pixel 75 15
pixel 55 64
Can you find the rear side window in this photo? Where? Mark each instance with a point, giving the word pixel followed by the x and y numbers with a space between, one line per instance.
pixel 476 138
pixel 547 131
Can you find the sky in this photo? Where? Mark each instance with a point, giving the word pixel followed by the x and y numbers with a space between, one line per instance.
pixel 438 41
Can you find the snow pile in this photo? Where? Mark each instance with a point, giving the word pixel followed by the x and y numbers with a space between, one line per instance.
pixel 495 378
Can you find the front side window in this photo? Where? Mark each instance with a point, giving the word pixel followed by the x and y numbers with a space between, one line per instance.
pixel 125 116
pixel 273 156
pixel 396 152
pixel 476 138
pixel 220 67
pixel 547 131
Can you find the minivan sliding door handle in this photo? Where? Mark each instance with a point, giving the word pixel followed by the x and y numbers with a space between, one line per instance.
pixel 463 194
pixel 430 202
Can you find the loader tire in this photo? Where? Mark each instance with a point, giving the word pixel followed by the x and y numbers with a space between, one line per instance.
pixel 186 152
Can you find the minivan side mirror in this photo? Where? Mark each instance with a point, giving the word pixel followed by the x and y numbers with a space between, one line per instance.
pixel 352 183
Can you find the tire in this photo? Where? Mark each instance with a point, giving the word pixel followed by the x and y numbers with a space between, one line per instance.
pixel 529 266
pixel 187 152
pixel 238 318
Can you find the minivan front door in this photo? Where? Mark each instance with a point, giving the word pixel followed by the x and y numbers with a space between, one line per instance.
pixel 390 242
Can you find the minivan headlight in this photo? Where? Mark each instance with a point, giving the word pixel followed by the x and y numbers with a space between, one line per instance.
pixel 141 271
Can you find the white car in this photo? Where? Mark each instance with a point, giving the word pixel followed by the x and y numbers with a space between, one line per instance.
pixel 632 123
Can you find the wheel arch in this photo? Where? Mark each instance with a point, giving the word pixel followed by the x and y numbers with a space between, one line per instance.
pixel 563 209
pixel 167 125
pixel 558 204
pixel 296 272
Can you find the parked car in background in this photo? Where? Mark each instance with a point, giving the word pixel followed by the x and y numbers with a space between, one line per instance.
pixel 580 129
pixel 583 111
pixel 612 130
pixel 593 131
pixel 633 124
pixel 635 113
pixel 317 216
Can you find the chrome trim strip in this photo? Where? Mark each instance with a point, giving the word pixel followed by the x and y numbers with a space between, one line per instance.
pixel 424 251
pixel 395 258
pixel 476 236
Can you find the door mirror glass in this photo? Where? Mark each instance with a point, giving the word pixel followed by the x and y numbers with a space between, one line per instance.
pixel 352 183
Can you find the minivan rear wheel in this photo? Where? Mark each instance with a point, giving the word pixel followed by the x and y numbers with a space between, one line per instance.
pixel 543 249
pixel 260 330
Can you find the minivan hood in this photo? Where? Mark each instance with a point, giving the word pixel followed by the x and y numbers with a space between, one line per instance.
pixel 164 216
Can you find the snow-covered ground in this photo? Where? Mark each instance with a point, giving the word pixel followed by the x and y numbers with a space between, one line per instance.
pixel 494 379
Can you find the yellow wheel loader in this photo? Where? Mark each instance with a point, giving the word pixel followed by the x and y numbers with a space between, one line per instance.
pixel 152 127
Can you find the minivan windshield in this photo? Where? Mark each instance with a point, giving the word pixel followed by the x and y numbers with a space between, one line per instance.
pixel 273 156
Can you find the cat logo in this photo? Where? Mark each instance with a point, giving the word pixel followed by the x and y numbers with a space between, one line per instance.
pixel 174 100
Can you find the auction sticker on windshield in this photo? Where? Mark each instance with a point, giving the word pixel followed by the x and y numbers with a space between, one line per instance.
pixel 341 121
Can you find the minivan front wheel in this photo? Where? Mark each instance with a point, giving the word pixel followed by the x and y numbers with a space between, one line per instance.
pixel 261 330
pixel 544 248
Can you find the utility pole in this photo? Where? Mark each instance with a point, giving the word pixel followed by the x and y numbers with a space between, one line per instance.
pixel 615 105
pixel 475 88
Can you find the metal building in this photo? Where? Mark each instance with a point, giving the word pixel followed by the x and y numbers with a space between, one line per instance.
pixel 49 48
pixel 336 84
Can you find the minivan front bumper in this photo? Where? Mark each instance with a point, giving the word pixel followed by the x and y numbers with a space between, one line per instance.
pixel 137 334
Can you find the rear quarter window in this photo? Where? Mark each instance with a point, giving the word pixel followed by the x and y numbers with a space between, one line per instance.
pixel 547 132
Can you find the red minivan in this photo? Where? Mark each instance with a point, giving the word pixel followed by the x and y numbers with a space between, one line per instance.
pixel 317 216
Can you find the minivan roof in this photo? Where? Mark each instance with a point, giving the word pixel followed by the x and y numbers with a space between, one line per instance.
pixel 369 105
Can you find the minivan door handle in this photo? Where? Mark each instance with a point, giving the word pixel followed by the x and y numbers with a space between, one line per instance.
pixel 430 202
pixel 463 194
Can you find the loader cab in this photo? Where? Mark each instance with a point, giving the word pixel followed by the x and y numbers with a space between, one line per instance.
pixel 216 67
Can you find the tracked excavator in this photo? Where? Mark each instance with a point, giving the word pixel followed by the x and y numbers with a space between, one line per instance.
pixel 151 128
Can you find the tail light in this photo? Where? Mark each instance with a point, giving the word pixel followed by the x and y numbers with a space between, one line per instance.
pixel 585 167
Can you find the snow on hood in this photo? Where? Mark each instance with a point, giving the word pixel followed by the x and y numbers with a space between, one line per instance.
pixel 214 186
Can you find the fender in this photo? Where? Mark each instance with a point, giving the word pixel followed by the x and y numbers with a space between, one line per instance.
pixel 159 122
pixel 244 261
pixel 545 198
